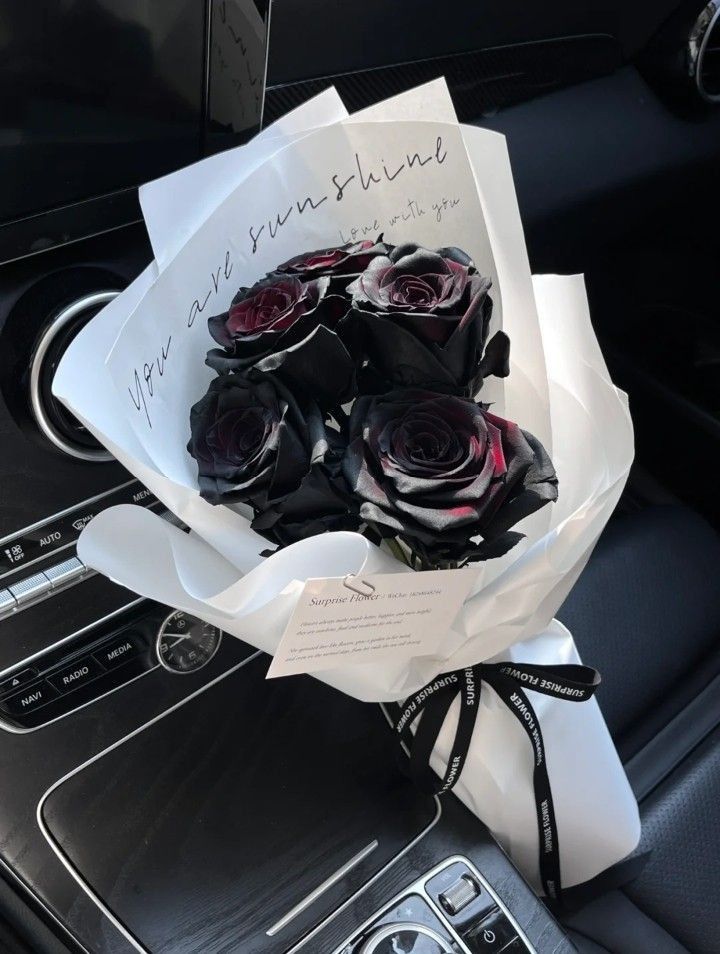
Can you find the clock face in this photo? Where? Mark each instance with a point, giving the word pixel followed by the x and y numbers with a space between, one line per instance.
pixel 186 643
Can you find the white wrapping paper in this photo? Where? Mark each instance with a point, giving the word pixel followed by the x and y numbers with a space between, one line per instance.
pixel 135 370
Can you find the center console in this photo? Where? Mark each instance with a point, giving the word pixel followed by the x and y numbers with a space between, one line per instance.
pixel 273 817
pixel 451 909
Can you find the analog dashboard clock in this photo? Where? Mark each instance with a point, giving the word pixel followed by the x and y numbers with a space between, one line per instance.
pixel 185 643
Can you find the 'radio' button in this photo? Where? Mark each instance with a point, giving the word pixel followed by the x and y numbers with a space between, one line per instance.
pixel 27 701
pixel 72 677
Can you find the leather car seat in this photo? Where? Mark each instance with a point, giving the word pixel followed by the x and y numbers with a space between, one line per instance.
pixel 646 613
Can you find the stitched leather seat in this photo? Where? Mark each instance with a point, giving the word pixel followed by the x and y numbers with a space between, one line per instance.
pixel 646 613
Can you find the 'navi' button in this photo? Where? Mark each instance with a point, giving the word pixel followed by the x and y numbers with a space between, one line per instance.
pixel 72 677
pixel 29 700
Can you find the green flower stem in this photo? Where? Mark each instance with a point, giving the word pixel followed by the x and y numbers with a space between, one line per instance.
pixel 398 551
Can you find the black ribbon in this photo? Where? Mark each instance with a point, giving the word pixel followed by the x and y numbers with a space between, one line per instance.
pixel 508 680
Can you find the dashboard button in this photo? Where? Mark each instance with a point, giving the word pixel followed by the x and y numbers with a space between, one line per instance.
pixel 459 894
pixel 19 679
pixel 30 588
pixel 493 933
pixel 72 677
pixel 27 701
pixel 65 572
pixel 420 938
pixel 7 603
pixel 119 651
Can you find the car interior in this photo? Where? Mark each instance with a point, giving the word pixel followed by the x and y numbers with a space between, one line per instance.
pixel 167 799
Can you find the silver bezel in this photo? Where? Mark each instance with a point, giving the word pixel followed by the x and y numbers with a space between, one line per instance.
pixel 100 455
pixel 161 633
pixel 388 930
pixel 697 44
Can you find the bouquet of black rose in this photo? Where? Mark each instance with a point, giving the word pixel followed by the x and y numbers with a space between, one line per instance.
pixel 363 416
pixel 345 400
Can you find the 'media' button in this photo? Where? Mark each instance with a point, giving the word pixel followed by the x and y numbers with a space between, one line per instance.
pixel 32 698
pixel 118 651
pixel 72 677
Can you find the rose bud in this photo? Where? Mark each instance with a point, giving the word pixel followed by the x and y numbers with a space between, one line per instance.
pixel 252 441
pixel 425 318
pixel 292 327
pixel 342 261
pixel 444 474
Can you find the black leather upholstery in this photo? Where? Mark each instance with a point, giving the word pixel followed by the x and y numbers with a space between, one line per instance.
pixel 680 884
pixel 646 613
pixel 614 924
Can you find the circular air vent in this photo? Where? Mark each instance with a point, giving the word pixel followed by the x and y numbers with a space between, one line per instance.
pixel 704 52
pixel 54 420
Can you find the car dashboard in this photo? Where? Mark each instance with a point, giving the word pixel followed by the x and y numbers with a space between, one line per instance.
pixel 158 795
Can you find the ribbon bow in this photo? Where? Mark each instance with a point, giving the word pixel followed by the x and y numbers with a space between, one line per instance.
pixel 573 683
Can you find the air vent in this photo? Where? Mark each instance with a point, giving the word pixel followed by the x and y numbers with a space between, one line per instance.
pixel 56 423
pixel 704 52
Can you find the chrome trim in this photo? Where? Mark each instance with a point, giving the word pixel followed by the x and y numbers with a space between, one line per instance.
pixel 74 873
pixel 39 559
pixel 29 589
pixel 27 890
pixel 697 45
pixel 56 516
pixel 379 874
pixel 23 730
pixel 158 640
pixel 389 929
pixel 419 887
pixel 322 888
pixel 27 660
pixel 46 338
pixel 98 901
pixel 68 571
pixel 25 599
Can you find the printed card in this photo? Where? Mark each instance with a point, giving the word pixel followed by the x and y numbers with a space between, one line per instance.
pixel 375 617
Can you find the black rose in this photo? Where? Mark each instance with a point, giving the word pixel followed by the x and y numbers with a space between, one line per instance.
pixel 341 261
pixel 322 503
pixel 252 441
pixel 444 474
pixel 292 327
pixel 425 318
pixel 255 444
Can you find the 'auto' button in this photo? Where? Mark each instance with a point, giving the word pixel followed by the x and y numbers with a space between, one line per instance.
pixel 72 677
pixel 27 701
pixel 118 651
